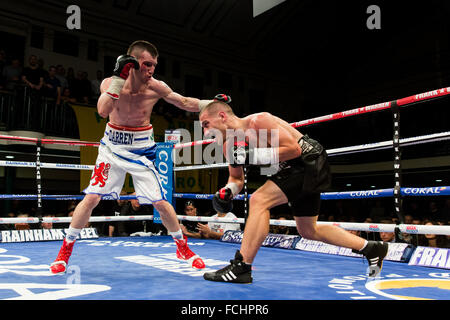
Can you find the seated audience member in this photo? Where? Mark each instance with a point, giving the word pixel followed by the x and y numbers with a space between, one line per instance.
pixel 215 230
pixel 434 240
pixel 281 229
pixel 117 228
pixel 134 209
pixel 47 225
pixel 22 225
pixel 189 228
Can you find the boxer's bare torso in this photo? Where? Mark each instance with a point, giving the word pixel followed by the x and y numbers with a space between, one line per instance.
pixel 259 127
pixel 139 94
pixel 134 109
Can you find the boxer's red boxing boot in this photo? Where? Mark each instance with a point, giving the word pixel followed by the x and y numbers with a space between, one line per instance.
pixel 59 266
pixel 184 253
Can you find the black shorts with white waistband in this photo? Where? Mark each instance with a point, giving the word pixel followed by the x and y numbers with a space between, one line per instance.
pixel 303 182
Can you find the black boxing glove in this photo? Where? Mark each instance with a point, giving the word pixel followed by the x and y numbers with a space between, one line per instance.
pixel 223 199
pixel 311 149
pixel 121 72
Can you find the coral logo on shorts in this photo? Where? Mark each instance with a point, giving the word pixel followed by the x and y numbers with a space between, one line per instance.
pixel 100 174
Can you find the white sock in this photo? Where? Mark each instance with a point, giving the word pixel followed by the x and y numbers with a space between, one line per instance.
pixel 177 234
pixel 365 244
pixel 72 234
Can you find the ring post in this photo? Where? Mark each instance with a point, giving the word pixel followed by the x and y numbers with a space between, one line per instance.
pixel 397 162
pixel 245 195
pixel 38 181
pixel 164 165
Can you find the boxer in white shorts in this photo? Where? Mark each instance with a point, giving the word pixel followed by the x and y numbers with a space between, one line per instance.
pixel 127 98
pixel 125 150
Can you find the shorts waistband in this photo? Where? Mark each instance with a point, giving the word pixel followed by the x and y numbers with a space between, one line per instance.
pixel 123 128
pixel 120 135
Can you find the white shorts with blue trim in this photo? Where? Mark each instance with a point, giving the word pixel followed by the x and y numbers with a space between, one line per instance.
pixel 122 150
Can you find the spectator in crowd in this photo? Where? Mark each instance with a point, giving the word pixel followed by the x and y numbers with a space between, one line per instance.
pixel 81 88
pixel 22 225
pixel 32 75
pixel 52 85
pixel 47 225
pixel 433 240
pixel 215 230
pixel 189 228
pixel 61 76
pixel 134 208
pixel 70 78
pixel 387 236
pixel 67 96
pixel 408 219
pixel 41 64
pixel 120 208
pixel 95 85
pixel 282 229
pixel 12 74
pixel 367 234
pixel 71 207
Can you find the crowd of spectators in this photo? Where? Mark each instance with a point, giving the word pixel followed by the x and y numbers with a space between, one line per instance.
pixel 50 81
pixel 36 79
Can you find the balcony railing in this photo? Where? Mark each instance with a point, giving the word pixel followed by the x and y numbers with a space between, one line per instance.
pixel 25 109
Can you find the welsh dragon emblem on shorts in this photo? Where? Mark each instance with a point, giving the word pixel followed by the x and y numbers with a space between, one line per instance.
pixel 100 174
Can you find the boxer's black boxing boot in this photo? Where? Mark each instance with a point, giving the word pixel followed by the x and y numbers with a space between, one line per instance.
pixel 236 272
pixel 375 251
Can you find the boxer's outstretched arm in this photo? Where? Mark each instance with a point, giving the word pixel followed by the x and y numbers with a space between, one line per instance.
pixel 185 103
pixel 105 103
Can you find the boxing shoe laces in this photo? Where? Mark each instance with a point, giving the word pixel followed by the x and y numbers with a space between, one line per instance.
pixel 375 252
pixel 184 253
pixel 61 261
pixel 236 272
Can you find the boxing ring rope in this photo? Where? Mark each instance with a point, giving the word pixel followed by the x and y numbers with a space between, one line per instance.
pixel 365 227
pixel 331 152
pixel 372 227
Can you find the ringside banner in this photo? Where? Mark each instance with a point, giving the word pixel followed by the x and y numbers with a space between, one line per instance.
pixel 272 240
pixel 43 235
pixel 431 257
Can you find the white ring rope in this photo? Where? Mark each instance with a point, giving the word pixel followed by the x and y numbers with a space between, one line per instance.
pixel 331 152
pixel 367 227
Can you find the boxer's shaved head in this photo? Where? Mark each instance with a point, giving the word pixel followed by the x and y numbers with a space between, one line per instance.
pixel 137 47
pixel 217 106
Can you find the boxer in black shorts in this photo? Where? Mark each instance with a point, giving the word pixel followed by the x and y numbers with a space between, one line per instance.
pixel 302 182
pixel 302 174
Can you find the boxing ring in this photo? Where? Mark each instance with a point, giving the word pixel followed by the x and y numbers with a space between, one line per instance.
pixel 286 267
